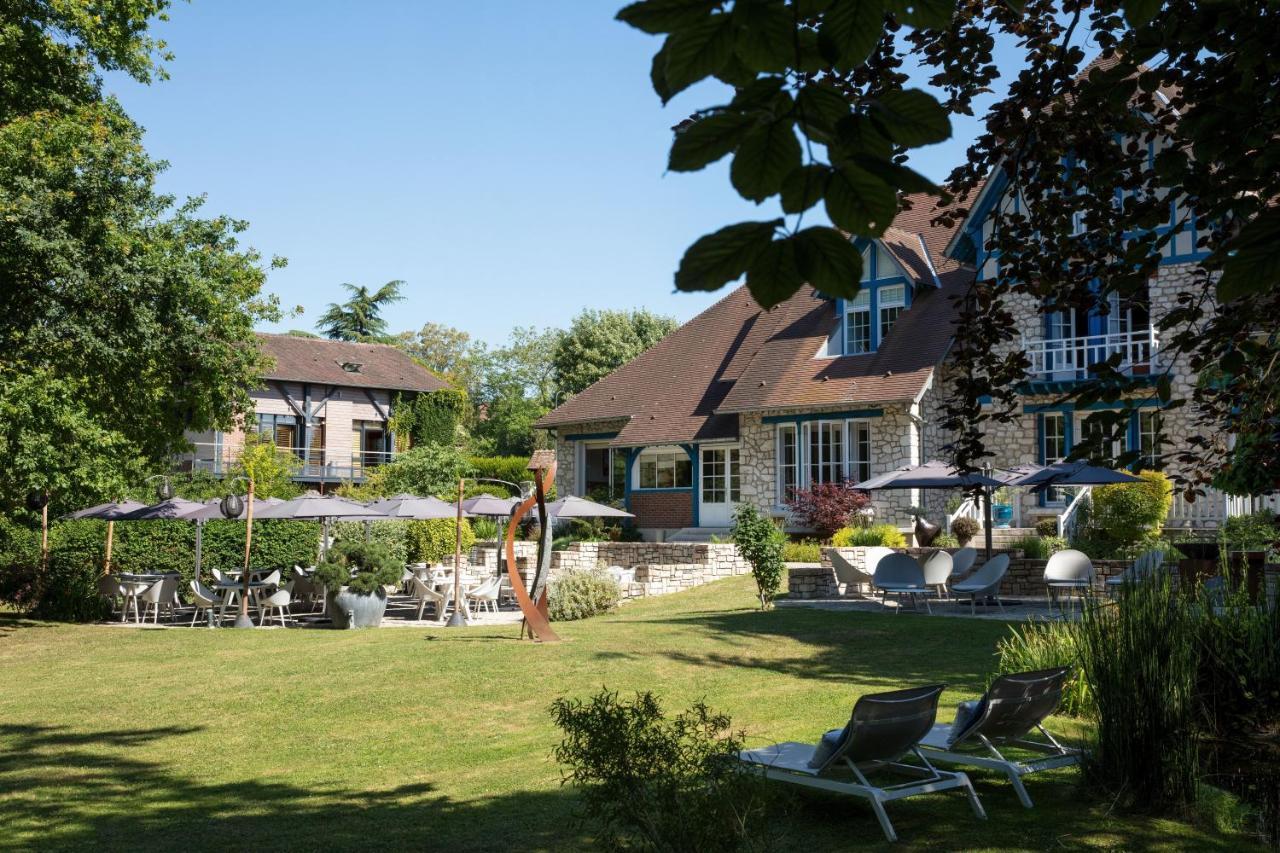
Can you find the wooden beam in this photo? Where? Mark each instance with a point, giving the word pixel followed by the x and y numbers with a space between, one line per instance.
pixel 382 413
pixel 313 408
pixel 288 398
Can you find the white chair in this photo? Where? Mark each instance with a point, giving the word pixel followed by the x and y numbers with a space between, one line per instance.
pixel 962 561
pixel 937 571
pixel 156 597
pixel 900 574
pixel 424 595
pixel 205 599
pixel 485 595
pixel 1068 571
pixel 278 601
pixel 109 588
pixel 984 583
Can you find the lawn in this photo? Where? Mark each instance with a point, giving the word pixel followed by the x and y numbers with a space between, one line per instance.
pixel 210 740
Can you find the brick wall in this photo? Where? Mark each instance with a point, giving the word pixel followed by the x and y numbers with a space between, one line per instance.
pixel 663 509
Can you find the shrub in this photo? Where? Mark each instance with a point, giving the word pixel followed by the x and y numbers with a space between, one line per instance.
pixel 486 529
pixel 760 542
pixel 361 567
pixel 433 541
pixel 430 418
pixel 657 783
pixel 429 469
pixel 1043 644
pixel 68 587
pixel 1256 532
pixel 1047 527
pixel 945 540
pixel 513 469
pixel 1039 547
pixel 805 551
pixel 827 507
pixel 1125 514
pixel 392 535
pixel 863 537
pixel 965 528
pixel 578 595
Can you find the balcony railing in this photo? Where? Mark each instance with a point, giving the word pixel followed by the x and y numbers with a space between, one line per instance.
pixel 218 459
pixel 1071 358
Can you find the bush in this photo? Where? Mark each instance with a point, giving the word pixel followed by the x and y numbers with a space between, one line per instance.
pixel 1126 514
pixel 659 784
pixel 1256 532
pixel 392 535
pixel 805 551
pixel 1044 644
pixel 863 537
pixel 578 595
pixel 486 529
pixel 433 541
pixel 430 418
pixel 827 507
pixel 965 528
pixel 513 469
pixel 760 542
pixel 430 469
pixel 1039 547
pixel 1047 527
pixel 945 540
pixel 361 567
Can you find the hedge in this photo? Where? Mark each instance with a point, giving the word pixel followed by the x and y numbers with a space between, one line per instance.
pixel 513 469
pixel 434 541
pixel 393 535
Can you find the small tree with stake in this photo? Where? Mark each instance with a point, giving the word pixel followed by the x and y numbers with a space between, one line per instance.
pixel 760 542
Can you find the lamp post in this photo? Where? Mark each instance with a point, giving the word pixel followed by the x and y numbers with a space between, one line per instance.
pixel 230 507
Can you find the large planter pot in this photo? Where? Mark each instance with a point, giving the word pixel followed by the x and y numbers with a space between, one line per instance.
pixel 1001 515
pixel 926 531
pixel 350 609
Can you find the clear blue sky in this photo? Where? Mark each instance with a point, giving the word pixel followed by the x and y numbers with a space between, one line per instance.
pixel 506 159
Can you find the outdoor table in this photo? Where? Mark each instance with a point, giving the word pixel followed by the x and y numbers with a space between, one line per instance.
pixel 228 587
pixel 132 586
pixel 1056 588
pixel 900 589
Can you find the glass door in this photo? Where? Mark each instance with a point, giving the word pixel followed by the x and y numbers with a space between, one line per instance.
pixel 720 486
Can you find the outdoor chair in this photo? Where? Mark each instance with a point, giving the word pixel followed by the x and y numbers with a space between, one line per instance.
pixel 278 601
pixel 937 571
pixel 1012 706
pixel 1144 567
pixel 205 599
pixel 984 583
pixel 109 588
pixel 424 594
pixel 1068 571
pixel 900 574
pixel 130 590
pixel 962 561
pixel 485 595
pixel 883 729
pixel 853 577
pixel 158 596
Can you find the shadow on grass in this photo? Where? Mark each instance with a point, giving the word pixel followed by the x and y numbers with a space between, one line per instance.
pixel 63 790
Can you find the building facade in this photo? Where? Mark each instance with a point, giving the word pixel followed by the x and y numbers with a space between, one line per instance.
pixel 327 402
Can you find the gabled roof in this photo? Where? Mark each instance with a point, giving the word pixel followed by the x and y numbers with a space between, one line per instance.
pixel 735 357
pixel 319 360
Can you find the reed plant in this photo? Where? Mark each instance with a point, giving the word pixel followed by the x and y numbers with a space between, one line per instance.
pixel 1045 644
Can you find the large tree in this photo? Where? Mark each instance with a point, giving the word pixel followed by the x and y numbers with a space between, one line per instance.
pixel 518 388
pixel 447 352
pixel 599 342
pixel 137 312
pixel 360 317
pixel 820 113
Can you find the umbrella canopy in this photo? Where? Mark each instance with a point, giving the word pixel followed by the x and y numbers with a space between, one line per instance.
pixel 318 506
pixel 108 511
pixel 930 475
pixel 170 509
pixel 410 507
pixel 1068 474
pixel 490 505
pixel 575 507
pixel 211 510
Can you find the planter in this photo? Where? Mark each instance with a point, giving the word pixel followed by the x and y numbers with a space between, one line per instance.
pixel 350 609
pixel 1001 515
pixel 926 531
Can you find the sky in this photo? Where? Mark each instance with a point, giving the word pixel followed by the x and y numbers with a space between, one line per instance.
pixel 505 159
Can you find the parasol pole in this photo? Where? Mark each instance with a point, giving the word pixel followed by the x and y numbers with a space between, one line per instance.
pixel 44 535
pixel 111 532
pixel 457 620
pixel 199 547
pixel 243 620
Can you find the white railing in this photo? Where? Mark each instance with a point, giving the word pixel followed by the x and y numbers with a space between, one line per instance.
pixel 220 459
pixel 1071 358
pixel 970 508
pixel 1069 519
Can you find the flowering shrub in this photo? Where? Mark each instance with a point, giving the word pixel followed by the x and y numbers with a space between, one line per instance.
pixel 827 507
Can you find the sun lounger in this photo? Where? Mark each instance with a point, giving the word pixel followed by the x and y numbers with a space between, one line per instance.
pixel 883 729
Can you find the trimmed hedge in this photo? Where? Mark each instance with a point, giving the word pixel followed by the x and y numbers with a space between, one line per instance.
pixel 433 541
pixel 391 535
pixel 513 469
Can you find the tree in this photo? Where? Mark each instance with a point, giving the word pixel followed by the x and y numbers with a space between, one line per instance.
pixel 599 342
pixel 447 352
pixel 518 388
pixel 1194 78
pixel 133 306
pixel 429 469
pixel 760 542
pixel 360 317
pixel 270 467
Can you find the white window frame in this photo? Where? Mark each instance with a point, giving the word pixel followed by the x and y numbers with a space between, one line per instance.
pixel 1150 439
pixel 780 466
pixel 665 455
pixel 861 306
pixel 855 465
pixel 580 475
pixel 896 303
pixel 1053 497
pixel 824 461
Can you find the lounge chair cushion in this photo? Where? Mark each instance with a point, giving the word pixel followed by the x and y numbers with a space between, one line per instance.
pixel 966 714
pixel 827 745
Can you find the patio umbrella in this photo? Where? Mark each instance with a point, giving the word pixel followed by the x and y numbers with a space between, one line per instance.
pixel 109 512
pixel 173 508
pixel 212 511
pixel 1067 474
pixel 490 505
pixel 575 507
pixel 938 475
pixel 415 508
pixel 324 507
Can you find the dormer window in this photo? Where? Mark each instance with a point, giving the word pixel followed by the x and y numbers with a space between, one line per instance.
pixel 351 366
pixel 858 324
pixel 893 301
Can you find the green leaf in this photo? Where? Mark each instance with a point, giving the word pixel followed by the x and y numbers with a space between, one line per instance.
pixel 1253 262
pixel 857 134
pixel 658 75
pixel 859 202
pixel 664 16
pixel 850 30
pixel 829 261
pixel 719 258
pixel 821 106
pixel 911 117
pixel 1139 12
pixel 765 35
pixel 925 13
pixel 698 51
pixel 903 177
pixel 765 157
pixel 773 275
pixel 804 187
pixel 759 93
pixel 707 140
pixel 736 73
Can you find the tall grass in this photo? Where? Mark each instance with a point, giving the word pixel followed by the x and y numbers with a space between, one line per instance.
pixel 1045 644
pixel 1140 658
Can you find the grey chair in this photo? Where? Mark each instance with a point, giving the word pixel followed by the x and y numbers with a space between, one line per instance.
pixel 984 583
pixel 899 575
pixel 962 561
pixel 883 729
pixel 852 576
pixel 109 589
pixel 1144 567
pixel 937 571
pixel 1068 572
pixel 1012 706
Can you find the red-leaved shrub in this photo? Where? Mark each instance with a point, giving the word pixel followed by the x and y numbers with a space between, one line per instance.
pixel 827 507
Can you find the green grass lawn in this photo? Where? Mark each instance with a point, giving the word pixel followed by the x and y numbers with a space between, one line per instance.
pixel 211 740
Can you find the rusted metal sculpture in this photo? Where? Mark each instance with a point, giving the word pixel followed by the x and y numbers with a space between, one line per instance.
pixel 534 607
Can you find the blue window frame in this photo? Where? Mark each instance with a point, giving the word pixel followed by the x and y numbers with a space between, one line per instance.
pixel 868 318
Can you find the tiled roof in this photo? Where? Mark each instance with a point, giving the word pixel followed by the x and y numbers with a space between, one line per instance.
pixel 735 357
pixel 319 360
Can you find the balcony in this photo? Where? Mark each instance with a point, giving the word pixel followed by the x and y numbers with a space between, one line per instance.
pixel 1069 359
pixel 318 467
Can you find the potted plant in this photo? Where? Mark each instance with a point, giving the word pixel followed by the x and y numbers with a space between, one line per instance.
pixel 926 531
pixel 354 575
pixel 1002 508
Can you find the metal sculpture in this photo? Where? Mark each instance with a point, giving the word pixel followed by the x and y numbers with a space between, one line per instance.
pixel 534 607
